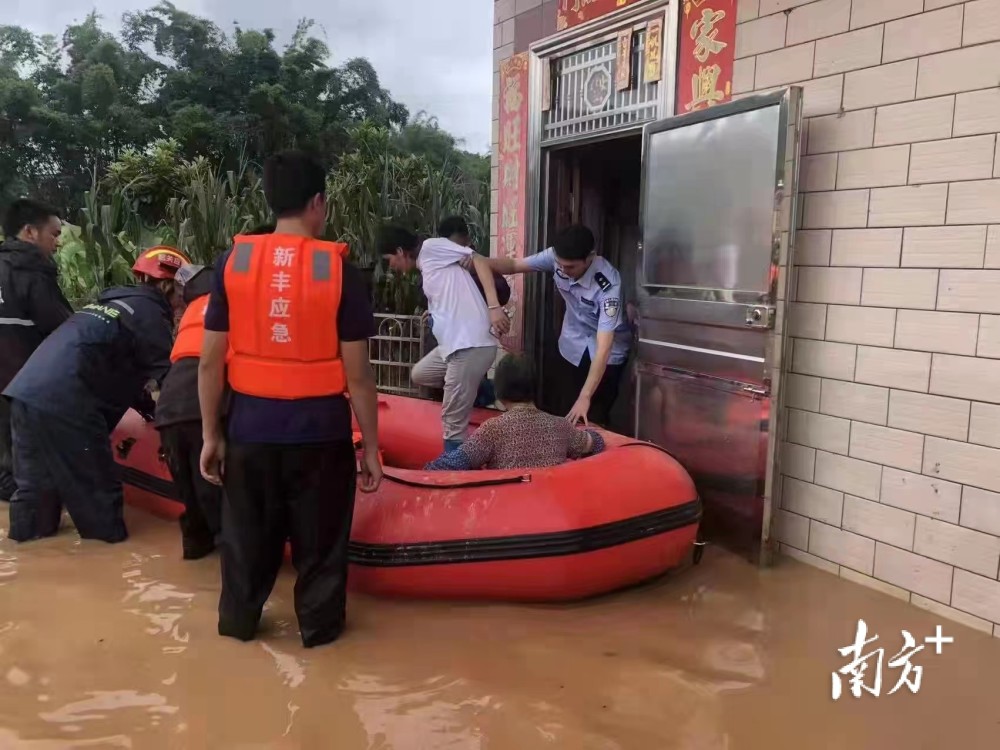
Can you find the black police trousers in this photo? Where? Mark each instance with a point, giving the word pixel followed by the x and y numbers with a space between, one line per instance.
pixel 604 397
pixel 7 485
pixel 202 519
pixel 274 493
pixel 59 463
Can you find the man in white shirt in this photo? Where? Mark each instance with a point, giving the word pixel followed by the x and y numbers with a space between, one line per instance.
pixel 461 319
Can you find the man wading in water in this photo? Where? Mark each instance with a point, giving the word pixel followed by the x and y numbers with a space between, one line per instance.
pixel 298 318
pixel 31 304
pixel 75 389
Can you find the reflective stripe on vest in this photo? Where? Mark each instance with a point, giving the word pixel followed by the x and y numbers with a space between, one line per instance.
pixel 16 322
pixel 284 292
pixel 191 331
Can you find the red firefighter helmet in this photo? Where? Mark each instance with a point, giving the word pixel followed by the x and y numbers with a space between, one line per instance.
pixel 160 262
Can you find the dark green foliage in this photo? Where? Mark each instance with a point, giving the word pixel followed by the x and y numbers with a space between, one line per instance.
pixel 158 135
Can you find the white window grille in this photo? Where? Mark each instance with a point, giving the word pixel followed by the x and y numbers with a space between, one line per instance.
pixel 585 100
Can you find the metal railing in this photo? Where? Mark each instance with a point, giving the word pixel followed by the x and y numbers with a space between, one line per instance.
pixel 398 345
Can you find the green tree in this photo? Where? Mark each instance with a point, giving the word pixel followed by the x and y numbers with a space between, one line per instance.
pixel 240 98
pixel 64 123
pixel 157 136
pixel 68 110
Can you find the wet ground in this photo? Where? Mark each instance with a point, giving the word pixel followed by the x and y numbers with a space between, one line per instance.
pixel 115 647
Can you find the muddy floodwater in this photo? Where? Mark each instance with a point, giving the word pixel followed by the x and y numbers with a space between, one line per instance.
pixel 115 647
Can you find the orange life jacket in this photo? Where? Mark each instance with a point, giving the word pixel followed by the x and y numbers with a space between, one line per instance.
pixel 191 331
pixel 284 292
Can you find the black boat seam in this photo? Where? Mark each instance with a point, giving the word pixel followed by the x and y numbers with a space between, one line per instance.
pixel 528 546
pixel 489 549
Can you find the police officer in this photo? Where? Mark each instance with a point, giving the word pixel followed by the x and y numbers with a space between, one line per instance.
pixel 31 304
pixel 297 318
pixel 596 335
pixel 178 418
pixel 72 393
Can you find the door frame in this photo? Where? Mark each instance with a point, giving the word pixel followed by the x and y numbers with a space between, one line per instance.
pixel 537 182
pixel 568 42
pixel 540 293
pixel 691 303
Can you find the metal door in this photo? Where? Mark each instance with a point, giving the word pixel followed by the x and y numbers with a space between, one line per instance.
pixel 719 197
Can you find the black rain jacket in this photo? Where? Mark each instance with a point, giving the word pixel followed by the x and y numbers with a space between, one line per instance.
pixel 31 304
pixel 101 358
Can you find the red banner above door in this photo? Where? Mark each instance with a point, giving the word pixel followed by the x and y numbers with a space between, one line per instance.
pixel 570 13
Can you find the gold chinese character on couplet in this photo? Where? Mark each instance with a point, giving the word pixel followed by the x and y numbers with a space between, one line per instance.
pixel 705 88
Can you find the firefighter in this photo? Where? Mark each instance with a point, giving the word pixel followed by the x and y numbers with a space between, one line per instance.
pixel 296 319
pixel 75 389
pixel 31 304
pixel 178 418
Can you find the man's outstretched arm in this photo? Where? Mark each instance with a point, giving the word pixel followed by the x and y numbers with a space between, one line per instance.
pixel 543 262
pixel 509 266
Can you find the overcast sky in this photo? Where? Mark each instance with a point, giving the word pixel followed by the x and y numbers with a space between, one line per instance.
pixel 433 55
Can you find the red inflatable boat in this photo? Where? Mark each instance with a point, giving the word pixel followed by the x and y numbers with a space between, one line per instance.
pixel 583 528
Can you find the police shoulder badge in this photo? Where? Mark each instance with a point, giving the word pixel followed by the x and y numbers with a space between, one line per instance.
pixel 611 306
pixel 602 281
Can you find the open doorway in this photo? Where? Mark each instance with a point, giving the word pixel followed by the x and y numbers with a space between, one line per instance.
pixel 599 185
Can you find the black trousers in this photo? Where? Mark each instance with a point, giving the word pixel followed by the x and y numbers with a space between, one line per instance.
pixel 59 463
pixel 202 519
pixel 604 397
pixel 7 485
pixel 304 493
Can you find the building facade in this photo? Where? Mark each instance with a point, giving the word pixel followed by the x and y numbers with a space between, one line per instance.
pixel 889 464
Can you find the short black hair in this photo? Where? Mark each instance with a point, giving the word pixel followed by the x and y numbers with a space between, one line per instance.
pixel 453 225
pixel 393 237
pixel 514 381
pixel 262 229
pixel 574 243
pixel 27 212
pixel 291 180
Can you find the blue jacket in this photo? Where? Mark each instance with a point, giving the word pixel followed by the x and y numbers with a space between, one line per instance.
pixel 101 358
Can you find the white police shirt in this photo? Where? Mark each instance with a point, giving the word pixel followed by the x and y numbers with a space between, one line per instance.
pixel 593 303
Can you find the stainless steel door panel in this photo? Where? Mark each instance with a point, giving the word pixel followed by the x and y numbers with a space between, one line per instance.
pixel 710 202
pixel 719 434
pixel 728 308
pixel 705 362
pixel 747 343
pixel 719 194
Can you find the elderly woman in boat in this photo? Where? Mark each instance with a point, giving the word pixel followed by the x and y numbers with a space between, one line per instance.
pixel 524 437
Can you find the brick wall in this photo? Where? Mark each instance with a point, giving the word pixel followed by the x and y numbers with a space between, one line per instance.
pixel 892 456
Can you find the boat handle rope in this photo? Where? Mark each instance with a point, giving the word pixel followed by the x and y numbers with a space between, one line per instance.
pixel 644 444
pixel 521 479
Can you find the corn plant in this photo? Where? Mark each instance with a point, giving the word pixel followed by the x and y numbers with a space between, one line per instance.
pixel 201 208
pixel 212 208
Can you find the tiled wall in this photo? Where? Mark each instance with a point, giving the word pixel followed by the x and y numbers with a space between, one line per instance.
pixel 892 460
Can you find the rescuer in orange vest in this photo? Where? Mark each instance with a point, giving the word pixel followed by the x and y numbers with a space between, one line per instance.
pixel 178 418
pixel 297 318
